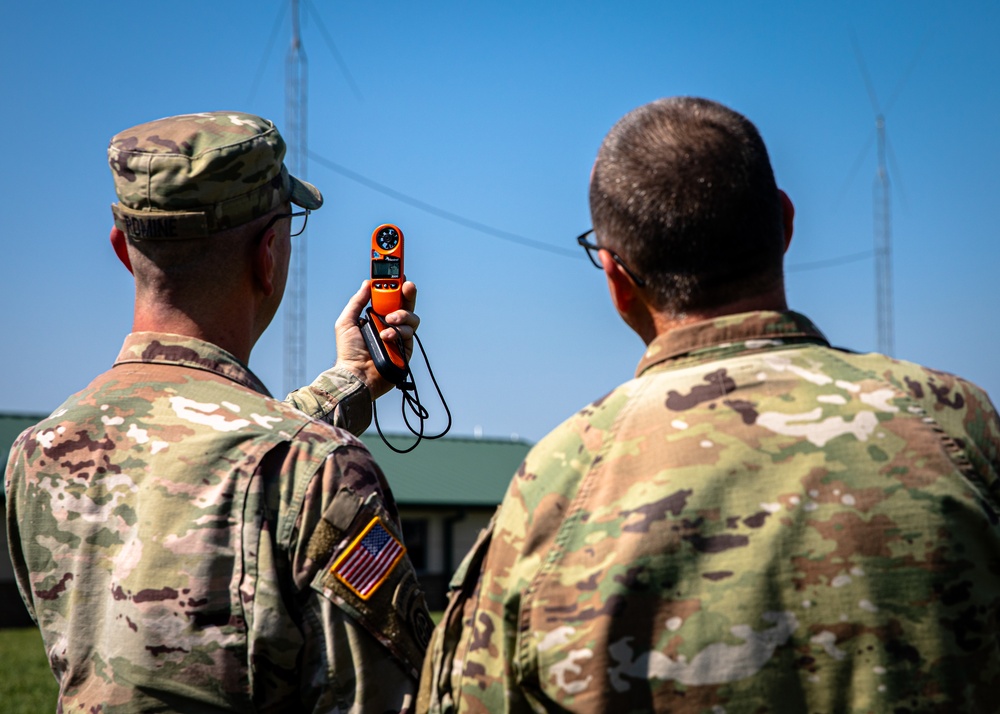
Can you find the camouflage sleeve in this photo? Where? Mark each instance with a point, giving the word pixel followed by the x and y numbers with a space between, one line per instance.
pixel 338 398
pixel 435 695
pixel 21 575
pixel 981 445
pixel 980 424
pixel 962 411
pixel 365 621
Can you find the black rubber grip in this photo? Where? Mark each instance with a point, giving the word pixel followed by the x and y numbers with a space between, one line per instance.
pixel 380 355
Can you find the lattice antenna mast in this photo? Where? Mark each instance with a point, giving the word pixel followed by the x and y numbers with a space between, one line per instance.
pixel 882 204
pixel 296 99
pixel 882 226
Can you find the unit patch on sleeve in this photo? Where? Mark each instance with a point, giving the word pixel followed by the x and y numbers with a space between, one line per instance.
pixel 367 562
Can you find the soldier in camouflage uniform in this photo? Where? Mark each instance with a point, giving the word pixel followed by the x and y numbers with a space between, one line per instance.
pixel 186 542
pixel 757 522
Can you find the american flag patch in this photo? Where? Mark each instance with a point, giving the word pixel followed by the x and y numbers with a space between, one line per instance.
pixel 368 561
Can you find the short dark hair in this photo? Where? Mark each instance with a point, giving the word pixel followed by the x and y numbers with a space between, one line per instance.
pixel 683 189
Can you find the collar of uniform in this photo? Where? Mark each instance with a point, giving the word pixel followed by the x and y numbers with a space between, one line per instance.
pixel 730 335
pixel 166 348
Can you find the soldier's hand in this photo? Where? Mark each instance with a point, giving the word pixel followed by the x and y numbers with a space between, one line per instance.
pixel 352 353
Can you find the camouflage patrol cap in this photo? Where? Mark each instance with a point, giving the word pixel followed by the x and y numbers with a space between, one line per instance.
pixel 192 175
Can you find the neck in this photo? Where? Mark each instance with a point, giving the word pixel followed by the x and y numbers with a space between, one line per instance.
pixel 660 323
pixel 222 328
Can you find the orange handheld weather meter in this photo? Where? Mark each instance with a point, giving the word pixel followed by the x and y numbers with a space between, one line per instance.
pixel 387 296
pixel 387 269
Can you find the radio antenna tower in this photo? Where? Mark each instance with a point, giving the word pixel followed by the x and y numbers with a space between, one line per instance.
pixel 882 207
pixel 882 201
pixel 296 94
pixel 883 244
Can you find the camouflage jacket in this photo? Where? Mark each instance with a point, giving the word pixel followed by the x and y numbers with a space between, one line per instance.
pixel 756 523
pixel 187 543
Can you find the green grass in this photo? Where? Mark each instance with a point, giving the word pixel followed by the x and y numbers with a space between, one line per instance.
pixel 26 682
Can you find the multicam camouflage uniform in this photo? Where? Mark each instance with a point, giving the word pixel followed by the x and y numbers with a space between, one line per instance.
pixel 186 542
pixel 157 591
pixel 755 523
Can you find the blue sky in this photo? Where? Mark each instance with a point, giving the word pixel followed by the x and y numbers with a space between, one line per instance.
pixel 469 123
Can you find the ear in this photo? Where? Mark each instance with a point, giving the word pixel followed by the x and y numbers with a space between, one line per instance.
pixel 788 214
pixel 629 300
pixel 264 260
pixel 120 243
pixel 624 293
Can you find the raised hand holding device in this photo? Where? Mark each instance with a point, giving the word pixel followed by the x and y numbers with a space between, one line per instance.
pixel 390 360
pixel 387 296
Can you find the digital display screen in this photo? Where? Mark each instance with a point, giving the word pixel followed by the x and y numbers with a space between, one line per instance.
pixel 385 269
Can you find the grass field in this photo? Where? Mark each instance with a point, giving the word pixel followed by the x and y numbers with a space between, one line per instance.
pixel 26 683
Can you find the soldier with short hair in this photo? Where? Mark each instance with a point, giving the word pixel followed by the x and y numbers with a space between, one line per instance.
pixel 757 521
pixel 186 542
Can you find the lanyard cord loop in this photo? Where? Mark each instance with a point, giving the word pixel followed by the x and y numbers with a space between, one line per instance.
pixel 410 402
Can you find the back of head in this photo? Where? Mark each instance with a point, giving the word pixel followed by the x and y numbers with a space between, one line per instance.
pixel 192 187
pixel 683 190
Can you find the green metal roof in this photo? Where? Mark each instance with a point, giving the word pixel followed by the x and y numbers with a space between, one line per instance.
pixel 449 471
pixel 454 471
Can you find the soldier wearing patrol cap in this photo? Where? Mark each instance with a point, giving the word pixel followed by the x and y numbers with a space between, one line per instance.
pixel 757 522
pixel 186 542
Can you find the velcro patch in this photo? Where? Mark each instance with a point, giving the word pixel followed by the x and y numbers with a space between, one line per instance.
pixel 367 562
pixel 157 225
